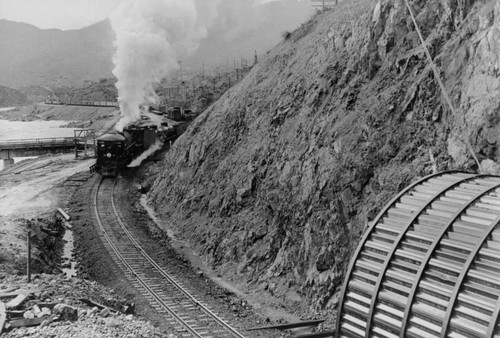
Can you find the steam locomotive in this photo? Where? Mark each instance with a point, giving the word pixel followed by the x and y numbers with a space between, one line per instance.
pixel 115 150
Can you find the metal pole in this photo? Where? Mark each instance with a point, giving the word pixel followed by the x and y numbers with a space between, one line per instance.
pixel 28 265
pixel 85 140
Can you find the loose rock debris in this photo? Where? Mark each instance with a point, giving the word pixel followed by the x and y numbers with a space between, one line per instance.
pixel 50 306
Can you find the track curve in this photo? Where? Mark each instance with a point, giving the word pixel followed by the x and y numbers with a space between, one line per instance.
pixel 191 317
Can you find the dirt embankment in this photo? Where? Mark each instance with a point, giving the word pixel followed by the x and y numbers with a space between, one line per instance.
pixel 31 192
pixel 274 183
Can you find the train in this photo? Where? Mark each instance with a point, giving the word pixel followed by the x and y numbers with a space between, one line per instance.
pixel 115 150
pixel 174 113
pixel 82 103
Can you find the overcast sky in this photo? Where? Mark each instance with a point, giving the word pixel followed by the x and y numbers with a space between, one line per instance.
pixel 62 14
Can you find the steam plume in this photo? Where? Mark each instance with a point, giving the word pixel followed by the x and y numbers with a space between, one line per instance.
pixel 150 36
pixel 154 147
pixel 153 35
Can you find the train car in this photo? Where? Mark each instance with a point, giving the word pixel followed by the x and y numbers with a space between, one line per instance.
pixel 112 153
pixel 116 150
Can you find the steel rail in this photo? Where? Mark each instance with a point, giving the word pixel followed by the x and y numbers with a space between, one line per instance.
pixel 162 272
pixel 434 245
pixel 125 263
pixel 170 278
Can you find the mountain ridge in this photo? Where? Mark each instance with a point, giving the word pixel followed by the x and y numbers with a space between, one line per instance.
pixel 58 58
pixel 53 57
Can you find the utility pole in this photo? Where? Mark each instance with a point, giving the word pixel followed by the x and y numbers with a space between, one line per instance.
pixel 28 263
pixel 180 64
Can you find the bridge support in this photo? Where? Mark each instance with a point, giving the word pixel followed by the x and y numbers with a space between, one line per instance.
pixel 8 162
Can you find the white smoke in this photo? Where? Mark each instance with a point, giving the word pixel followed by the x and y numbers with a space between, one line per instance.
pixel 150 37
pixel 154 147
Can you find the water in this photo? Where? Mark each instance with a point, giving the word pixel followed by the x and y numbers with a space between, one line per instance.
pixel 68 259
pixel 15 130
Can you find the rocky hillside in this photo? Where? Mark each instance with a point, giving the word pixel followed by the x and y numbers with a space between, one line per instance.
pixel 36 93
pixel 275 182
pixel 10 97
pixel 102 90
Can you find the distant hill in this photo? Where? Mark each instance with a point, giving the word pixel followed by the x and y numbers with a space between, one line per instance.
pixel 33 56
pixel 58 59
pixel 36 93
pixel 102 90
pixel 10 97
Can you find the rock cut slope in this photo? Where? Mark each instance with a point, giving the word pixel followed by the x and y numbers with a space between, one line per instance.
pixel 276 181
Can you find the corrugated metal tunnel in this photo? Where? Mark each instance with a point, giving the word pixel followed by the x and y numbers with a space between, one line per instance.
pixel 429 264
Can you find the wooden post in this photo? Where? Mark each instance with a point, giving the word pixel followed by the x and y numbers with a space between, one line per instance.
pixel 28 265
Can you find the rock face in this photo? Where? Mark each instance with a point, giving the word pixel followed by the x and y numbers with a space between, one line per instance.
pixel 276 181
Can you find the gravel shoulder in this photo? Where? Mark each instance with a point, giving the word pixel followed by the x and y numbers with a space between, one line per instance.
pixel 90 321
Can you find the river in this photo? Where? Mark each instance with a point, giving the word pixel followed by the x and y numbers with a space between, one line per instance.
pixel 15 130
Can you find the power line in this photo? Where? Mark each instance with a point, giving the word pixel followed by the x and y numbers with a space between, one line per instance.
pixel 438 79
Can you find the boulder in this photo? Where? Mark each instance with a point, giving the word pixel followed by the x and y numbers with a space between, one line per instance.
pixel 66 312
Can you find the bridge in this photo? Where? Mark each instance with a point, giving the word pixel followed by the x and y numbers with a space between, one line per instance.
pixel 83 140
pixel 35 147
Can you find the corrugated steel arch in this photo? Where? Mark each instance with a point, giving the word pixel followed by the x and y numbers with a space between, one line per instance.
pixel 429 264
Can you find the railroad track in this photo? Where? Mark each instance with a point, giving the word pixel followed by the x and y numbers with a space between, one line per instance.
pixel 191 317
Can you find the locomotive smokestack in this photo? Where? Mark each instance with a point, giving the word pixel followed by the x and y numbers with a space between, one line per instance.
pixel 150 37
